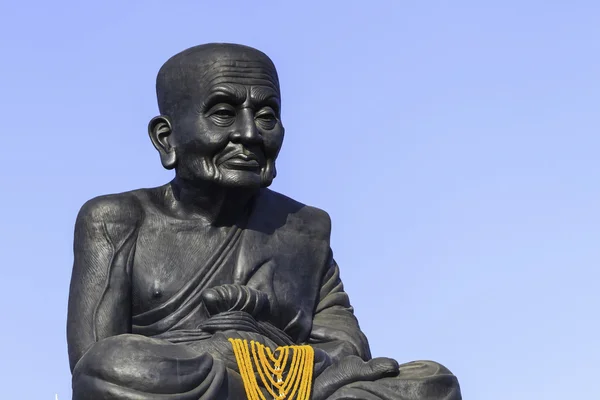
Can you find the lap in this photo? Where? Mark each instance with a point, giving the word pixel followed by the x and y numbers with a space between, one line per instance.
pixel 128 367
pixel 132 367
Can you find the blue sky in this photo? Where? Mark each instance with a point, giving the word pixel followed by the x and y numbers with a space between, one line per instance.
pixel 455 145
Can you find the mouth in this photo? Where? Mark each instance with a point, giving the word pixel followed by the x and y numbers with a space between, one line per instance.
pixel 241 161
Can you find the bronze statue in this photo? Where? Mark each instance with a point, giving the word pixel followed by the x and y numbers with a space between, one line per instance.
pixel 164 277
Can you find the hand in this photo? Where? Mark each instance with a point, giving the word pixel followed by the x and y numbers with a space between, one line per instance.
pixel 227 298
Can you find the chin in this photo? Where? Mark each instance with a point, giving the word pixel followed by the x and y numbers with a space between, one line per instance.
pixel 241 179
pixel 245 179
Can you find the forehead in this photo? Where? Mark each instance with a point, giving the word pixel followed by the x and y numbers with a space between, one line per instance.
pixel 234 72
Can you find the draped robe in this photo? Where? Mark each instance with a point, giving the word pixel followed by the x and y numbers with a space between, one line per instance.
pixel 179 349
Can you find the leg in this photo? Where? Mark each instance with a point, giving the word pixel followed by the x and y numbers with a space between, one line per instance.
pixel 418 380
pixel 132 367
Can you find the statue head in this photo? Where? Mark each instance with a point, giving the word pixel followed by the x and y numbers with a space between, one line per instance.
pixel 220 116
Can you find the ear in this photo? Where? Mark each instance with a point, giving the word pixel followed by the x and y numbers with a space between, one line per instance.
pixel 160 131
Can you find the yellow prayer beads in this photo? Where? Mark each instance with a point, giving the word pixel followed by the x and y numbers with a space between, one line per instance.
pixel 270 369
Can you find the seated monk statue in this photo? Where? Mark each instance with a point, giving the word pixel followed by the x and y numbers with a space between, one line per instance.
pixel 165 280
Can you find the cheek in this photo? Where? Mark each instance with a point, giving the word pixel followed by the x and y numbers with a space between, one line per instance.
pixel 272 142
pixel 206 139
pixel 215 138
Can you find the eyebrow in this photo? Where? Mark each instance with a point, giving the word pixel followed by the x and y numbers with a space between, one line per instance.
pixel 262 94
pixel 225 93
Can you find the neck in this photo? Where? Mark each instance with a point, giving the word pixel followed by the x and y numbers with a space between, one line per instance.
pixel 213 203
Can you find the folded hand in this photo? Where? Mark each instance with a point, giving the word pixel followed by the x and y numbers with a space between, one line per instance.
pixel 226 298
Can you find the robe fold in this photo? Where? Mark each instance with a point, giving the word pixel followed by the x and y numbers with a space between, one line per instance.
pixel 180 348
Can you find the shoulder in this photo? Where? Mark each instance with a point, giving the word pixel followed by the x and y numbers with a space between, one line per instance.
pixel 125 208
pixel 301 217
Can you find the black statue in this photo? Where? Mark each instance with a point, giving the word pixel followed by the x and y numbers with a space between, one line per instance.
pixel 163 277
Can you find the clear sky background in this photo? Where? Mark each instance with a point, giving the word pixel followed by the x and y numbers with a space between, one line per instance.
pixel 454 143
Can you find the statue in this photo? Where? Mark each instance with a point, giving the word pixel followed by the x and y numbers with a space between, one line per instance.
pixel 165 279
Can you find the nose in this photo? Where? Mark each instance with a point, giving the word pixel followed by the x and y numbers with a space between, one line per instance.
pixel 245 131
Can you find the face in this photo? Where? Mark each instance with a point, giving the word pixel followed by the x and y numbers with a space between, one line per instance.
pixel 231 132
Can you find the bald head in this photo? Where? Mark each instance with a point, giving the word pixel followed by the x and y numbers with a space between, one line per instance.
pixel 220 116
pixel 189 75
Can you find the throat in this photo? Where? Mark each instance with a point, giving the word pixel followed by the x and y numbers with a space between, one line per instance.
pixel 214 204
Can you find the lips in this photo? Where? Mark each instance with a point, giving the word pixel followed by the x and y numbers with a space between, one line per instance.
pixel 246 157
pixel 242 161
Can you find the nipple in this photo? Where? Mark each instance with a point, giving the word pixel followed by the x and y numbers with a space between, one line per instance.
pixel 156 290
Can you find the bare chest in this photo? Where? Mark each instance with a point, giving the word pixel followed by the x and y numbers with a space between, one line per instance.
pixel 168 254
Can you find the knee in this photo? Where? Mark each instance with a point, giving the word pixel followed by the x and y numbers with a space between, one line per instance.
pixel 428 380
pixel 106 355
pixel 119 366
pixel 423 368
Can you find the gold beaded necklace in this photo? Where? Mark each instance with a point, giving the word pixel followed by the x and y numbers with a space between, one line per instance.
pixel 271 369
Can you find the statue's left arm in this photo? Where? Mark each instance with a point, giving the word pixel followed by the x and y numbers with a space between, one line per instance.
pixel 336 331
pixel 352 373
pixel 335 328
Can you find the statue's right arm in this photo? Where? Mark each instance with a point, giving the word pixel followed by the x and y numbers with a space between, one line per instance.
pixel 100 293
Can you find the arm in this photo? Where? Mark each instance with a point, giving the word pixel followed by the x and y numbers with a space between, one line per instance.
pixel 335 328
pixel 336 331
pixel 100 293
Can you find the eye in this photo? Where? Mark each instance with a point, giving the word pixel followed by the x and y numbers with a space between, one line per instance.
pixel 222 114
pixel 266 118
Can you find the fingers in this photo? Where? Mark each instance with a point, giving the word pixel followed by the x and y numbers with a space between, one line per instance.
pixel 230 321
pixel 233 297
